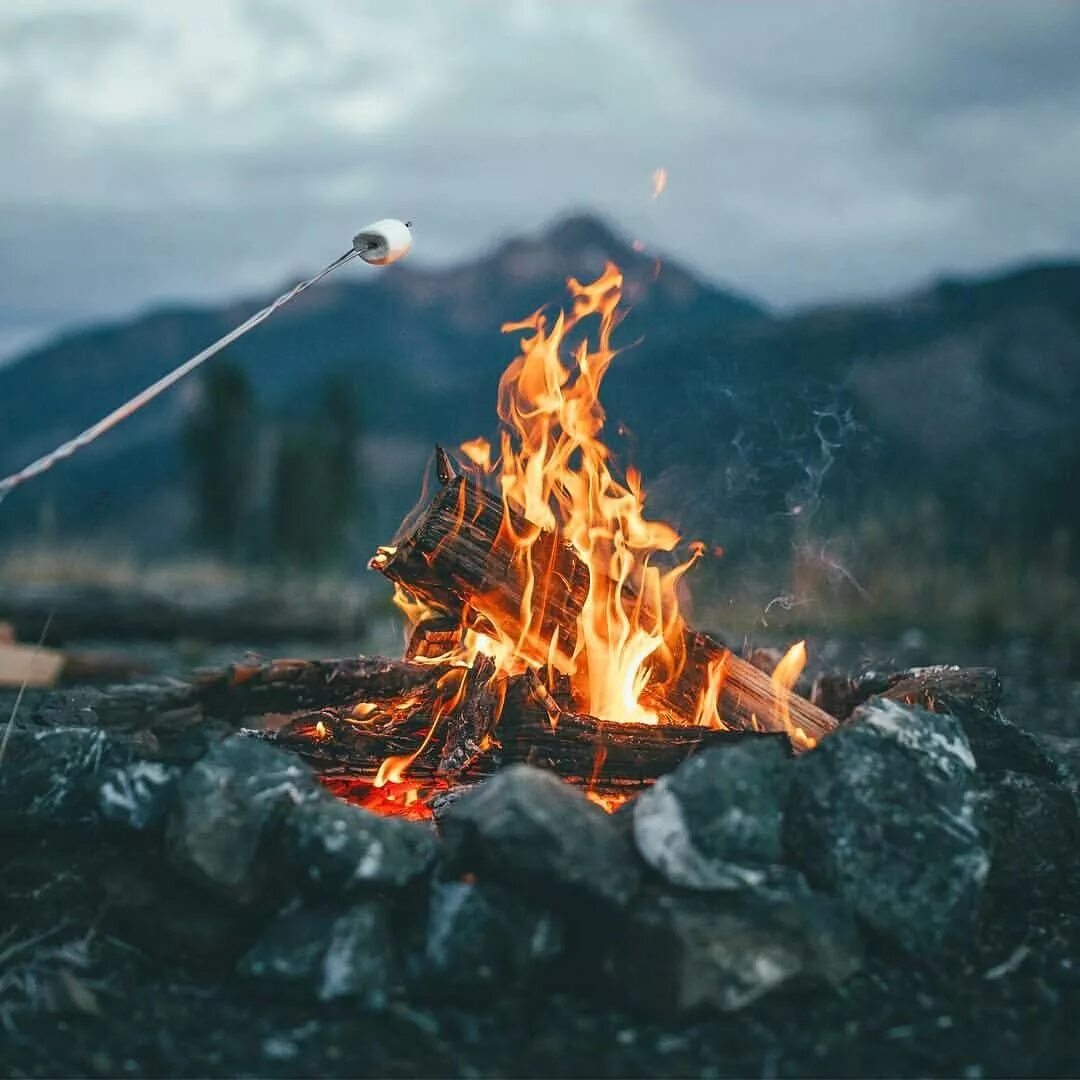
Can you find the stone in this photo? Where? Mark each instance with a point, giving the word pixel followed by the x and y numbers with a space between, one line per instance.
pixel 227 809
pixel 715 822
pixel 883 813
pixel 973 696
pixel 49 776
pixel 1065 754
pixel 335 847
pixel 138 796
pixel 1032 831
pixel 722 951
pixel 326 953
pixel 528 828
pixel 481 939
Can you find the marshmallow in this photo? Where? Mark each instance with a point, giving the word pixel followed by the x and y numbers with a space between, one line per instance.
pixel 383 242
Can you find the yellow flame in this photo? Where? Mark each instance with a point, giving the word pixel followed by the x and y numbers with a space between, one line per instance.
pixel 785 675
pixel 708 709
pixel 555 476
pixel 557 480
pixel 478 451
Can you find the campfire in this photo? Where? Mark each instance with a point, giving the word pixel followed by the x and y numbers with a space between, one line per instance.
pixel 544 609
pixel 754 840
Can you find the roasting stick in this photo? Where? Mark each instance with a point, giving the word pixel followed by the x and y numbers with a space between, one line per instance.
pixel 379 244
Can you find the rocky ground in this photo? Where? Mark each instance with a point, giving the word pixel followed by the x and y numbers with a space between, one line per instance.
pixel 142 935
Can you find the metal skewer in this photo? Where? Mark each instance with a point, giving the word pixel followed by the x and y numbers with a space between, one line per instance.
pixel 383 242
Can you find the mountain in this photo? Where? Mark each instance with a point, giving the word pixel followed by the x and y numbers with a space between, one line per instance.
pixel 748 424
pixel 423 347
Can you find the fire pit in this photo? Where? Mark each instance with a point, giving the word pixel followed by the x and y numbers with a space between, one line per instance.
pixel 562 794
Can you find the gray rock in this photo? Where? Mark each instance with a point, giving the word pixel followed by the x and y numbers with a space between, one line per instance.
pixel 49 775
pixel 715 822
pixel 1065 753
pixel 138 796
pixel 338 848
pixel 883 813
pixel 227 808
pixel 325 954
pixel 681 953
pixel 973 696
pixel 526 827
pixel 482 938
pixel 1033 835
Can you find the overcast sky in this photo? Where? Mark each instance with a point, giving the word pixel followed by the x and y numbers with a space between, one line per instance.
pixel 197 148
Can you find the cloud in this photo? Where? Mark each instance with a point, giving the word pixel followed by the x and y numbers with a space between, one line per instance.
pixel 217 147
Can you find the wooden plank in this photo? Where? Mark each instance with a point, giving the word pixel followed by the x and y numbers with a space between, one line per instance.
pixel 36 667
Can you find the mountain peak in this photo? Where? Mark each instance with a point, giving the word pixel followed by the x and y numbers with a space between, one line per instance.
pixel 583 230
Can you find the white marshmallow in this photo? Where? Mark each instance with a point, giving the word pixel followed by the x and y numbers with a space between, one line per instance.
pixel 383 242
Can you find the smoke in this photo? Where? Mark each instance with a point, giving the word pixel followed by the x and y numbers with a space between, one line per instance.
pixel 833 429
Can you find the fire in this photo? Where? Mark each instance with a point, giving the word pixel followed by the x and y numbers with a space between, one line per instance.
pixel 451 689
pixel 557 478
pixel 784 677
pixel 555 474
pixel 708 710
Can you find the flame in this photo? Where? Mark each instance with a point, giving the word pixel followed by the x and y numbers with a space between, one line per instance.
pixel 708 709
pixel 555 474
pixel 659 182
pixel 451 690
pixel 557 480
pixel 478 451
pixel 785 675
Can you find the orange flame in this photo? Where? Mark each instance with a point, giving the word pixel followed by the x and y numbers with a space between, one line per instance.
pixel 452 687
pixel 557 477
pixel 556 474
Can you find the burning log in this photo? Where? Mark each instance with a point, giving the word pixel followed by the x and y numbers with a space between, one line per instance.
pixel 459 560
pixel 607 757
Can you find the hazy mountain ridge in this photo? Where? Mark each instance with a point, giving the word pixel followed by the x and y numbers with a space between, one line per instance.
pixel 736 414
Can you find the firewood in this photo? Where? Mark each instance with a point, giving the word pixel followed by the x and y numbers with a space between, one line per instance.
pixel 458 559
pixel 609 757
pixel 471 723
pixel 284 686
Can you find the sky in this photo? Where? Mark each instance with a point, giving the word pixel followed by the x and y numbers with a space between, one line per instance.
pixel 200 149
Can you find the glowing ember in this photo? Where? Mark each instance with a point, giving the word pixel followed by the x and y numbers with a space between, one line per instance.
pixel 659 182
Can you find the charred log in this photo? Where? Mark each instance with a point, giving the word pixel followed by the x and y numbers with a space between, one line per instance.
pixel 285 686
pixel 609 757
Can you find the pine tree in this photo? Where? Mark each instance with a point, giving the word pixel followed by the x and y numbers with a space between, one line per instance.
pixel 219 453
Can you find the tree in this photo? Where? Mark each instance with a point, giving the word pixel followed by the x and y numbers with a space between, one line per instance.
pixel 316 481
pixel 219 452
